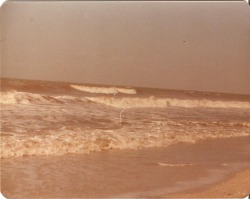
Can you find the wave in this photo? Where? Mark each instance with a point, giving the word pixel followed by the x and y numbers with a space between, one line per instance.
pixel 104 90
pixel 15 97
pixel 127 102
pixel 79 141
pixel 74 122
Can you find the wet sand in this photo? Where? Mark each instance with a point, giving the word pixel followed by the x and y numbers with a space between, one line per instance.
pixel 208 168
pixel 236 186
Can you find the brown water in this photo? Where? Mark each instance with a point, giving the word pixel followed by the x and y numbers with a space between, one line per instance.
pixel 67 127
pixel 41 118
pixel 154 172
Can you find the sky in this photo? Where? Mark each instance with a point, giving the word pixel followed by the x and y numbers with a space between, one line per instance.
pixel 201 46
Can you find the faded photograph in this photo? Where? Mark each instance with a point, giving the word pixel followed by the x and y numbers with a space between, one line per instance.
pixel 125 99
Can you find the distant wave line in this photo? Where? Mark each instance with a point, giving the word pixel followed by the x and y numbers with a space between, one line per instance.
pixel 103 90
pixel 15 97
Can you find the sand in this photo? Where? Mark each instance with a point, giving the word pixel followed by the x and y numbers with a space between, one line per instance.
pixel 235 186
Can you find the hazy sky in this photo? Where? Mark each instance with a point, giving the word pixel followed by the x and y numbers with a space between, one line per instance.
pixel 175 45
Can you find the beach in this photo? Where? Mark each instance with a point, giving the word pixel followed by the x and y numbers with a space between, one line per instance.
pixel 236 186
pixel 207 169
pixel 69 140
pixel 124 99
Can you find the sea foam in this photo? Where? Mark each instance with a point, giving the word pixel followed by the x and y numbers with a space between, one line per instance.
pixel 14 97
pixel 77 140
pixel 127 102
pixel 58 121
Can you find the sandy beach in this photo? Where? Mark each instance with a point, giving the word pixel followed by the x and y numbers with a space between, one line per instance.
pixel 124 99
pixel 235 186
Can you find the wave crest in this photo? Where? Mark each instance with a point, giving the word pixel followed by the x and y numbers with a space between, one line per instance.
pixel 76 140
pixel 14 97
pixel 104 90
pixel 127 102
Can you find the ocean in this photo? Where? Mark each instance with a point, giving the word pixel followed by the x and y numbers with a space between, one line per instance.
pixel 71 140
pixel 51 118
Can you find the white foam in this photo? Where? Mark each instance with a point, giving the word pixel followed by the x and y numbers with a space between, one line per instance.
pixel 14 97
pixel 76 140
pixel 128 102
pixel 104 90
pixel 174 165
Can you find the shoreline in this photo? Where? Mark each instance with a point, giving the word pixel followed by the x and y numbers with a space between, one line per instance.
pixel 236 185
pixel 209 168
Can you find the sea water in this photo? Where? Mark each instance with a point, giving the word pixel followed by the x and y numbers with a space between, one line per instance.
pixel 51 118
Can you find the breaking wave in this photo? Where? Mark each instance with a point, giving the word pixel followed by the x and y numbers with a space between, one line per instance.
pixel 61 121
pixel 15 97
pixel 104 90
pixel 127 102
pixel 76 140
